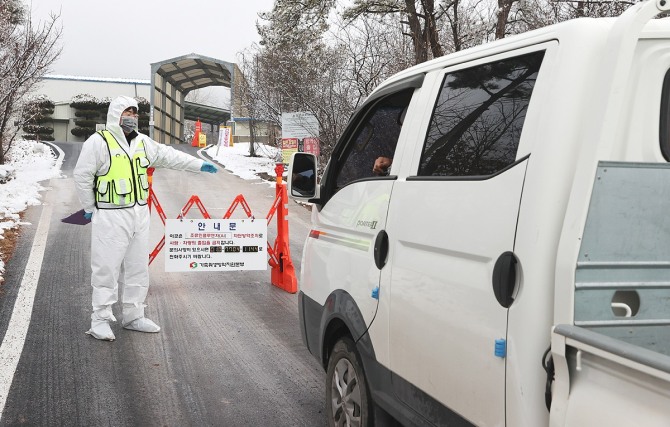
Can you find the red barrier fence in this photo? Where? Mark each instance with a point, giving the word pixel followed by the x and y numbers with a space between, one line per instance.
pixel 283 273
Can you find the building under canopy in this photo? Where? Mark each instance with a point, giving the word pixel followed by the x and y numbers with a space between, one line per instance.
pixel 206 113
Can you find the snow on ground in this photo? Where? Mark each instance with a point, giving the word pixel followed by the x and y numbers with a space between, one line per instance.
pixel 29 162
pixel 236 159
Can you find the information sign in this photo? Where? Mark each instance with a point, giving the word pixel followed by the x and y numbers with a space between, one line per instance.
pixel 299 125
pixel 300 132
pixel 288 147
pixel 215 245
pixel 225 133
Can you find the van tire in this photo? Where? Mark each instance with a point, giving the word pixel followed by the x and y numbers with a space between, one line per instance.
pixel 347 394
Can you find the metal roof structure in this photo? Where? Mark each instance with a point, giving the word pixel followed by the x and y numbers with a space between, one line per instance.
pixel 205 113
pixel 171 80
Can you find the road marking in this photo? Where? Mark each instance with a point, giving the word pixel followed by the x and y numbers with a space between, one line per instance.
pixel 15 337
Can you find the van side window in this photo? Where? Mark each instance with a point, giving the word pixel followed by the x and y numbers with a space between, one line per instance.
pixel 478 118
pixel 376 135
pixel 665 117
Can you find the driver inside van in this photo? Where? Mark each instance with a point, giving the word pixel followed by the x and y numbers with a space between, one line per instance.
pixel 382 166
pixel 372 147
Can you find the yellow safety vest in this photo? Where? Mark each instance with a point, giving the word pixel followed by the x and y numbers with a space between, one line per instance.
pixel 126 181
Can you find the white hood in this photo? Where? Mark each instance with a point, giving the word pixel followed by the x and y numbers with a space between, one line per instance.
pixel 116 107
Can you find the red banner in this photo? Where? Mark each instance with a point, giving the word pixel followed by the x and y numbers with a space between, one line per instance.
pixel 311 145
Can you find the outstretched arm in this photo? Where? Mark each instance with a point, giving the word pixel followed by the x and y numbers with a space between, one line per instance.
pixel 164 156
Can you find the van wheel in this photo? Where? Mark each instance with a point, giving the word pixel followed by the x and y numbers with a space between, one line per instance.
pixel 347 396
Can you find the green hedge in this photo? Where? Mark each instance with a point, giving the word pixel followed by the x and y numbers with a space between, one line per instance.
pixel 32 137
pixel 38 112
pixel 85 132
pixel 42 119
pixel 92 112
pixel 37 129
pixel 88 114
pixel 86 124
pixel 85 105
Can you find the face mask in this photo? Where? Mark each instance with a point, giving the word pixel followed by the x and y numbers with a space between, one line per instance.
pixel 128 123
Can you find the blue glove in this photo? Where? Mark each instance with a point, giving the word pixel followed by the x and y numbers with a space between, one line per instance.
pixel 208 167
pixel 88 215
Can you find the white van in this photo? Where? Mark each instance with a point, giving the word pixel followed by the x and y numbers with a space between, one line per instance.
pixel 512 267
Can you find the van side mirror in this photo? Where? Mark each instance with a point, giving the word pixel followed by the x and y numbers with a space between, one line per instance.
pixel 302 183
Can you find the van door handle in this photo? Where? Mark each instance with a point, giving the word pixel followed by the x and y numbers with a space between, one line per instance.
pixel 504 278
pixel 381 249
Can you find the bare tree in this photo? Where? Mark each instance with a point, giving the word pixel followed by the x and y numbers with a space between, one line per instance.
pixel 467 23
pixel 595 8
pixel 420 17
pixel 504 9
pixel 253 98
pixel 26 53
pixel 373 49
pixel 294 69
pixel 293 22
pixel 200 96
pixel 530 15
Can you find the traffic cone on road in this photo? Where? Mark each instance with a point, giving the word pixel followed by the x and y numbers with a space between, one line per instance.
pixel 283 273
pixel 196 137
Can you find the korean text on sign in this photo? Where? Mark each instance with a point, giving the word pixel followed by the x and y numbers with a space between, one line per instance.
pixel 215 245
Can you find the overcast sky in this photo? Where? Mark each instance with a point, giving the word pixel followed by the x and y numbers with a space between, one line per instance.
pixel 121 38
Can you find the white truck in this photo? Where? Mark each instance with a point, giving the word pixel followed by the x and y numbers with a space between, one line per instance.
pixel 512 265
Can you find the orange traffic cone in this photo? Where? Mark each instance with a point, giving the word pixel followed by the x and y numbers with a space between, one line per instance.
pixel 196 137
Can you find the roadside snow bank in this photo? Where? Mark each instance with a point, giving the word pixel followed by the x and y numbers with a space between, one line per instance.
pixel 237 161
pixel 30 162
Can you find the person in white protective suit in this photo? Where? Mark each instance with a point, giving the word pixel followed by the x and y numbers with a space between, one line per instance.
pixel 111 180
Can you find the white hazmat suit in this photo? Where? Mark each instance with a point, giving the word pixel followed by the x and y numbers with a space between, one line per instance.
pixel 120 237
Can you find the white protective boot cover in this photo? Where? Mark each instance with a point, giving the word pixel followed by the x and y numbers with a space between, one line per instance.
pixel 143 325
pixel 100 328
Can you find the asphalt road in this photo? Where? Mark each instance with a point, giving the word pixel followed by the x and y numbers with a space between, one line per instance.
pixel 229 353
